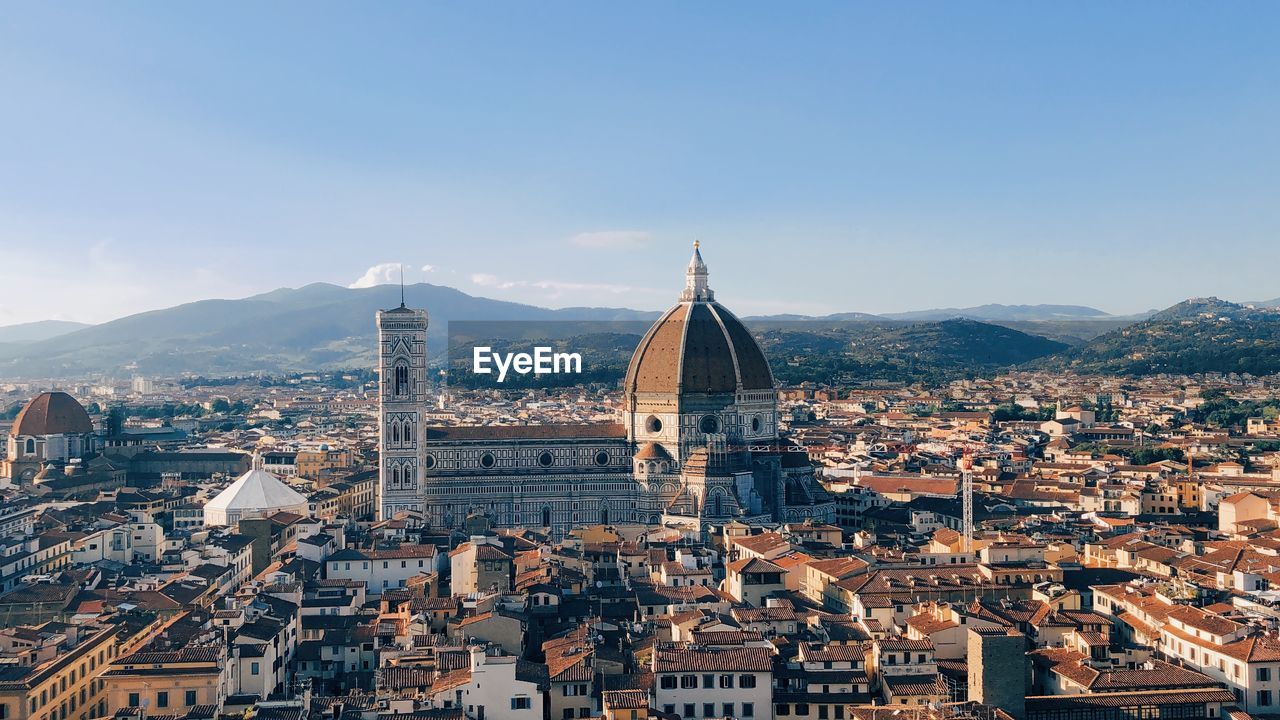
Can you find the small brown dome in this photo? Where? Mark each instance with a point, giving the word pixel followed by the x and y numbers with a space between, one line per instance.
pixel 52 413
pixel 652 451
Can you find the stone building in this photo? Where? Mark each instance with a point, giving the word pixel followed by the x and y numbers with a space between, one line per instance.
pixel 697 442
pixel 52 428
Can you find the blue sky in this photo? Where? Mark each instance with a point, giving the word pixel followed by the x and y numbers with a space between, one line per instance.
pixel 831 157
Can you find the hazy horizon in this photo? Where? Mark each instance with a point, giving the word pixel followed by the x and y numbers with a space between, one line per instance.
pixel 831 157
pixel 657 308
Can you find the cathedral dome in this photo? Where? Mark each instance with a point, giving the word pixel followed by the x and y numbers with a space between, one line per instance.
pixel 698 346
pixel 52 413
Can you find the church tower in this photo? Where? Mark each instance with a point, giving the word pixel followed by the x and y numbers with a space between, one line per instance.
pixel 402 403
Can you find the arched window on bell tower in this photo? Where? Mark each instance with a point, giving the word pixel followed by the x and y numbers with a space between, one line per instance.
pixel 31 446
pixel 401 373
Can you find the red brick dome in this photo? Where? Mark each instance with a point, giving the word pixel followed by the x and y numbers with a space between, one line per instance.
pixel 52 413
pixel 698 347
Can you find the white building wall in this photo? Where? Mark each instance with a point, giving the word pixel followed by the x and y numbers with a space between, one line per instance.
pixel 760 697
pixel 380 574
pixel 495 688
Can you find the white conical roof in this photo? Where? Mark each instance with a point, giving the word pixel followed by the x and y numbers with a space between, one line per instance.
pixel 256 490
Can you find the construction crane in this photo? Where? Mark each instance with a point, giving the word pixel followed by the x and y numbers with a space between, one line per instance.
pixel 966 481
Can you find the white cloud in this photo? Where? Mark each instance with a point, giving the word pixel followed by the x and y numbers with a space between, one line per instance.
pixel 487 280
pixel 612 239
pixel 380 274
pixel 389 274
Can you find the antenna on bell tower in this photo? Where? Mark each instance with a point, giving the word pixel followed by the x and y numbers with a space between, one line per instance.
pixel 401 284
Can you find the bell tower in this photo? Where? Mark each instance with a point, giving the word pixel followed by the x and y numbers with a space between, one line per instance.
pixel 402 403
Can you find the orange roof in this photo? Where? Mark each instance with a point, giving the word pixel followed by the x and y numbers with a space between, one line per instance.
pixel 924 485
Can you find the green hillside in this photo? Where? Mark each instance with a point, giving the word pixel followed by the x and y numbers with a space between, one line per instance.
pixel 927 351
pixel 1194 336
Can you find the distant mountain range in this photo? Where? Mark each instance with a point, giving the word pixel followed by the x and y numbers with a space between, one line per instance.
pixel 834 317
pixel 1274 302
pixel 323 326
pixel 1005 312
pixel 984 313
pixel 317 326
pixel 37 331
